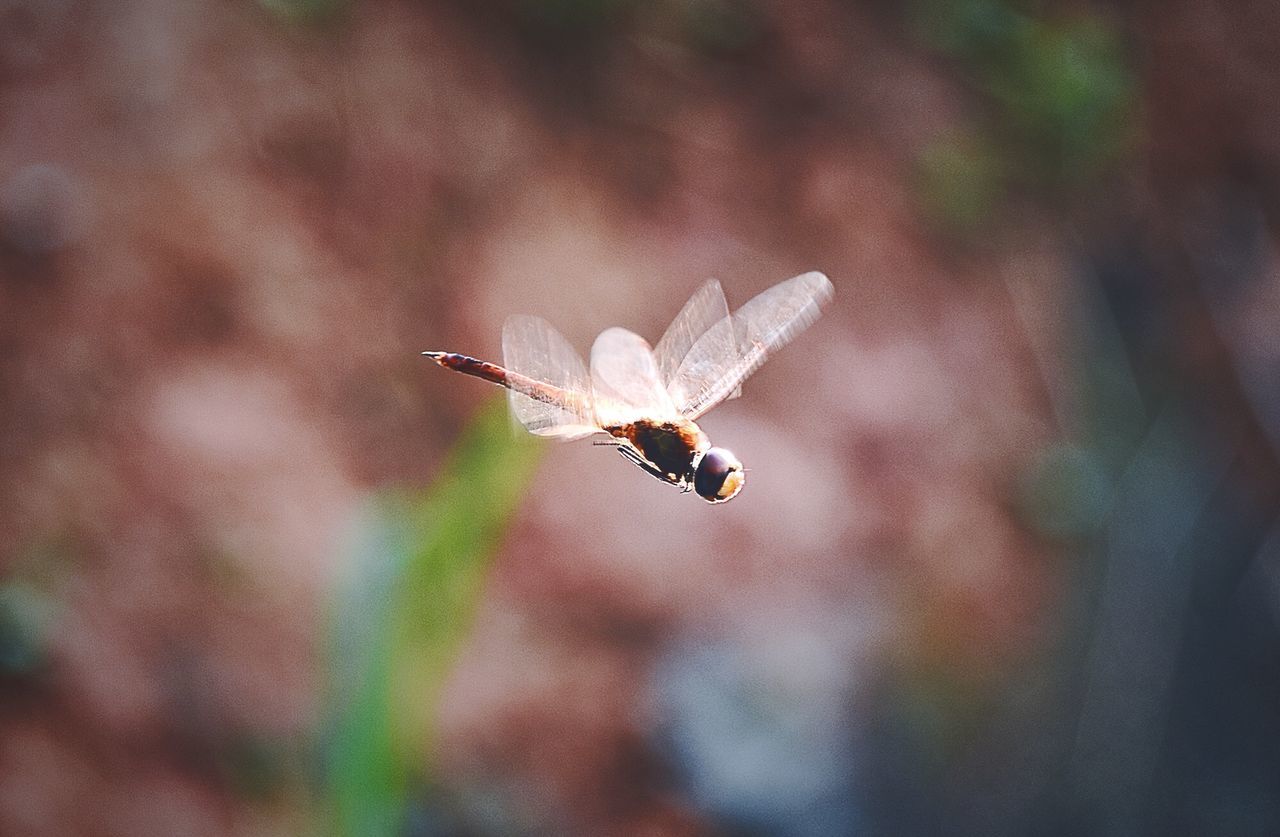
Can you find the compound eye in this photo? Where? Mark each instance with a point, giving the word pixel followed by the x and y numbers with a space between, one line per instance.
pixel 731 486
pixel 719 476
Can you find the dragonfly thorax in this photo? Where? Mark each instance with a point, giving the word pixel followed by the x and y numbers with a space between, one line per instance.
pixel 670 446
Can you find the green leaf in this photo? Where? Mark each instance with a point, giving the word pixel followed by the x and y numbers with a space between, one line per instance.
pixel 421 563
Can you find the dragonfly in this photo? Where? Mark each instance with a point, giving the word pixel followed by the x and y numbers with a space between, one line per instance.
pixel 648 399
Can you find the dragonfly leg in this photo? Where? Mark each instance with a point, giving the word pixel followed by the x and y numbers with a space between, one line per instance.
pixel 629 453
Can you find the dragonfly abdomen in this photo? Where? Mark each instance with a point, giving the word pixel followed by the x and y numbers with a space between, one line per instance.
pixel 493 373
pixel 470 366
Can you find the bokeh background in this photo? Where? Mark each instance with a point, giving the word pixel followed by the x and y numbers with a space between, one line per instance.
pixel 1006 562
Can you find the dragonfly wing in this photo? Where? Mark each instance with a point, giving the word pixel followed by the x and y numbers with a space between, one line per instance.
pixel 759 328
pixel 625 380
pixel 704 310
pixel 707 362
pixel 533 348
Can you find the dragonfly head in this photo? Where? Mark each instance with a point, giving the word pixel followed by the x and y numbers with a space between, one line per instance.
pixel 718 476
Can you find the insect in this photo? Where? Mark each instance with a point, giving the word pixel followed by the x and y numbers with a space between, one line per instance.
pixel 648 400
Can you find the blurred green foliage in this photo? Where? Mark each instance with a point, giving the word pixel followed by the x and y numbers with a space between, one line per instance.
pixel 721 26
pixel 570 19
pixel 259 767
pixel 25 617
pixel 305 11
pixel 713 27
pixel 1061 93
pixel 1067 492
pixel 960 179
pixel 31 600
pixel 420 567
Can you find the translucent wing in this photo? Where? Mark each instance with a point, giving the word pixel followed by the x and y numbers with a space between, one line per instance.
pixel 705 319
pixel 759 328
pixel 626 383
pixel 704 309
pixel 533 348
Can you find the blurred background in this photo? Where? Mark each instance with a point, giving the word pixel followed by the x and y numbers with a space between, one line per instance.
pixel 1006 562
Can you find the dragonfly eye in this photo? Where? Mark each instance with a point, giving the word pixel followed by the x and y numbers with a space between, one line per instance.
pixel 719 476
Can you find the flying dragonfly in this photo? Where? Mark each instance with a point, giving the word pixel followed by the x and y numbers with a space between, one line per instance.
pixel 648 400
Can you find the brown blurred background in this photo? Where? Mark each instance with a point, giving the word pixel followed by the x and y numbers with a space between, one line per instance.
pixel 1006 559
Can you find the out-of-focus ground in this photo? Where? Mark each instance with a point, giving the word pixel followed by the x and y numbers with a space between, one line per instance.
pixel 1005 561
